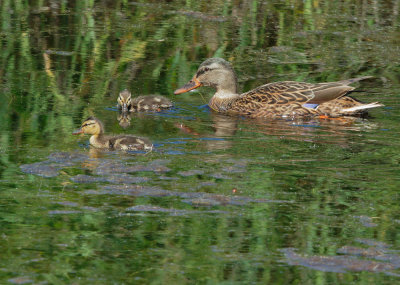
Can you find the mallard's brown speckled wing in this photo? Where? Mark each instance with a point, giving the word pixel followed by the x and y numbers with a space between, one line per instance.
pixel 287 98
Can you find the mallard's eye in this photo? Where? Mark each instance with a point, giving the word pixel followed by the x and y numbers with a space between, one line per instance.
pixel 203 70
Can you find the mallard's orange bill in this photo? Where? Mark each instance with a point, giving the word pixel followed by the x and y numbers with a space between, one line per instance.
pixel 77 132
pixel 192 84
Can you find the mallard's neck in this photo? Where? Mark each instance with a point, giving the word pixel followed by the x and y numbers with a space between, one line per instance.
pixel 225 82
pixel 226 85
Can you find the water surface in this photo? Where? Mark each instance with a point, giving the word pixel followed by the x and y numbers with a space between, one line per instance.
pixel 220 199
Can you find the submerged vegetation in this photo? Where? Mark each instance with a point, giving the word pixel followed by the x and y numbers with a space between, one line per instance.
pixel 219 199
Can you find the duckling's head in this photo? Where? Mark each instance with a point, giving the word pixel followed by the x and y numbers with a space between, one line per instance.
pixel 214 72
pixel 91 126
pixel 124 100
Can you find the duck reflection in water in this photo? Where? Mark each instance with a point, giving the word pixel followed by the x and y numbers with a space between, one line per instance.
pixel 124 119
pixel 328 131
pixel 225 127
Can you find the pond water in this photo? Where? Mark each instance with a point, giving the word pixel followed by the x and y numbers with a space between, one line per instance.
pixel 220 199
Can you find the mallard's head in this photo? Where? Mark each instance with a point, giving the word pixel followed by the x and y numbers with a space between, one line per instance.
pixel 214 72
pixel 124 100
pixel 91 126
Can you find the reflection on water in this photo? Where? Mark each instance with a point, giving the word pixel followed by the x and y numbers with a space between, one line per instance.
pixel 336 131
pixel 124 119
pixel 220 199
pixel 224 128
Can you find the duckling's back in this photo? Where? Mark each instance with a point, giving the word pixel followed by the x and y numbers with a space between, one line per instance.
pixel 150 103
pixel 124 142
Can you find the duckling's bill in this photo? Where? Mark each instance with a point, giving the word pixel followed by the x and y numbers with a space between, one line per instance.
pixel 77 132
pixel 124 108
pixel 192 84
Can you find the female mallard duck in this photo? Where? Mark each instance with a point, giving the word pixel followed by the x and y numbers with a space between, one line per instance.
pixel 279 99
pixel 142 103
pixel 93 126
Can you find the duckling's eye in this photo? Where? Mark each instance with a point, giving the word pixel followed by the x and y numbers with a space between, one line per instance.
pixel 87 124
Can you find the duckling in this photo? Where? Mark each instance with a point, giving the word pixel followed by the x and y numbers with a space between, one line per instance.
pixel 287 99
pixel 142 103
pixel 94 127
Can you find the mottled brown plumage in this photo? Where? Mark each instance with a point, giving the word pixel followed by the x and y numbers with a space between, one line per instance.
pixel 94 127
pixel 142 103
pixel 279 99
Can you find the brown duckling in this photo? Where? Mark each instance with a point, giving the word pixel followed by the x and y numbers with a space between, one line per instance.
pixel 93 126
pixel 142 103
pixel 279 99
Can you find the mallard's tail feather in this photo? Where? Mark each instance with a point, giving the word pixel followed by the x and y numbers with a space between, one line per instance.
pixel 362 107
pixel 352 80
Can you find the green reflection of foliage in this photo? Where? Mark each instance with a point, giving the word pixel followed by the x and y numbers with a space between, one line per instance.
pixel 118 49
pixel 60 61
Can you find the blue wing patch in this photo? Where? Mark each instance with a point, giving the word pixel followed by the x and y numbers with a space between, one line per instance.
pixel 311 106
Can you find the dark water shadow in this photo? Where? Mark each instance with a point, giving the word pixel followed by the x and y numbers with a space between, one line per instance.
pixel 377 258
